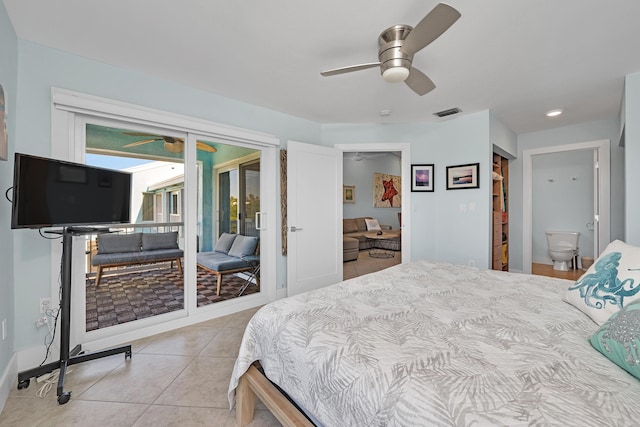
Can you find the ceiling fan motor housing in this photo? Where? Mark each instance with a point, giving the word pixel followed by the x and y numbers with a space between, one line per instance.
pixel 390 43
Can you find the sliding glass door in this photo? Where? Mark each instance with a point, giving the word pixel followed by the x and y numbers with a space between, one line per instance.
pixel 249 189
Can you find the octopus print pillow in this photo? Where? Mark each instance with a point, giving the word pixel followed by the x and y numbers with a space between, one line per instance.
pixel 619 339
pixel 612 282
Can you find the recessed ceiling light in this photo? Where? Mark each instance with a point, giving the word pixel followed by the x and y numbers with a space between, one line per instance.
pixel 553 113
pixel 385 113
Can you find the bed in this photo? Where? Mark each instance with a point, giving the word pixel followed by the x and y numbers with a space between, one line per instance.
pixel 434 344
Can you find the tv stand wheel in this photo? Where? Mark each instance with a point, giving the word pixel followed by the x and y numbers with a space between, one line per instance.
pixel 64 397
pixel 24 384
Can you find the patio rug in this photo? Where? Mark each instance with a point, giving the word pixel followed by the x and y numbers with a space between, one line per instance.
pixel 124 297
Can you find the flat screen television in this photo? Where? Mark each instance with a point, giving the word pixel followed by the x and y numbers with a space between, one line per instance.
pixel 51 193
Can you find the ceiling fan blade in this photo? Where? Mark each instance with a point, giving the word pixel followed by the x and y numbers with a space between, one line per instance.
pixel 349 69
pixel 146 141
pixel 205 147
pixel 430 28
pixel 419 82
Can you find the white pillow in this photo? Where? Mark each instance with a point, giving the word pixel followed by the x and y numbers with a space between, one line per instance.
pixel 612 282
pixel 372 224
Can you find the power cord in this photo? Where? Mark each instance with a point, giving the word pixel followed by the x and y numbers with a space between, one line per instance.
pixel 49 380
pixel 6 194
pixel 48 238
pixel 50 313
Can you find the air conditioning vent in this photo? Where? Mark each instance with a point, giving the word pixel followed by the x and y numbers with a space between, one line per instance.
pixel 448 112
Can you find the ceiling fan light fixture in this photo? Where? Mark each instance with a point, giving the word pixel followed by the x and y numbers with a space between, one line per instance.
pixel 395 74
pixel 554 113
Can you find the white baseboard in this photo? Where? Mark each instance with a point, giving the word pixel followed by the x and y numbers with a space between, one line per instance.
pixel 8 380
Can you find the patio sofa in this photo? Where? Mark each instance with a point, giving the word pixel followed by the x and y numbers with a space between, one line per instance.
pixel 233 253
pixel 116 250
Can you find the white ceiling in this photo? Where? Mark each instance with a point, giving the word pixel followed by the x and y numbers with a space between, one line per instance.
pixel 517 58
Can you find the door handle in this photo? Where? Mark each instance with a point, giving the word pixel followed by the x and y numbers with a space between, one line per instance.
pixel 293 229
pixel 258 221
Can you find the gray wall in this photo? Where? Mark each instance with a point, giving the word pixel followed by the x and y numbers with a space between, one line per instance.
pixel 632 147
pixel 360 173
pixel 562 196
pixel 9 82
pixel 439 230
pixel 42 68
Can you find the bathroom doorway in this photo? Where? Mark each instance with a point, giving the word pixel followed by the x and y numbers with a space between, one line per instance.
pixel 565 176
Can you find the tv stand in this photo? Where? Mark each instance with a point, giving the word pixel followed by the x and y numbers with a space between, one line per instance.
pixel 76 355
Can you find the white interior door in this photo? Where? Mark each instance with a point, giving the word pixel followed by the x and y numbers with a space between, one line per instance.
pixel 314 215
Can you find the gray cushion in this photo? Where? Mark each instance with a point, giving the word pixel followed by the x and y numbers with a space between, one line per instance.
pixel 114 243
pixel 243 246
pixel 220 262
pixel 154 241
pixel 133 257
pixel 224 243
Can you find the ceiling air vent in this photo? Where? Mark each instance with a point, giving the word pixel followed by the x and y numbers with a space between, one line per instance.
pixel 448 112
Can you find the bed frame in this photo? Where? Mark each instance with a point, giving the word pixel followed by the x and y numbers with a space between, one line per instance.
pixel 254 384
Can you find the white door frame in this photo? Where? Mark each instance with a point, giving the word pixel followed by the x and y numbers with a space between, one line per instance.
pixel 67 106
pixel 405 173
pixel 601 194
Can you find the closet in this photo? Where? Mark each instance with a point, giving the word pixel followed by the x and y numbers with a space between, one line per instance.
pixel 500 208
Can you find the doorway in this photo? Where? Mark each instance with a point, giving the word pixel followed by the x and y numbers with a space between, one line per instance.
pixel 601 200
pixel 183 203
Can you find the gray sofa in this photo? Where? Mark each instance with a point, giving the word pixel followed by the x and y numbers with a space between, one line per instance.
pixel 115 250
pixel 232 253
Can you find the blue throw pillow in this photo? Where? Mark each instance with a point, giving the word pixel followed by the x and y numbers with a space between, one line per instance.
pixel 224 243
pixel 619 338
pixel 243 246
pixel 153 241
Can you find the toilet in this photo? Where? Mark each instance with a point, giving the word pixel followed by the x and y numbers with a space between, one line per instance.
pixel 563 247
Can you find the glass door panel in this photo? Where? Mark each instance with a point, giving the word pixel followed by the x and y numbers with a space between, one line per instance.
pixel 250 194
pixel 138 290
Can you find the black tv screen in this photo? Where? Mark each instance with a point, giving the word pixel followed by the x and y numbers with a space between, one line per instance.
pixel 48 192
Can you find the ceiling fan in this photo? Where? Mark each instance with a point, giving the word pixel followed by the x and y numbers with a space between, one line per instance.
pixel 365 156
pixel 399 43
pixel 171 144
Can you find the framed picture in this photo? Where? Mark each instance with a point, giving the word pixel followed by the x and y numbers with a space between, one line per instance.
pixel 387 190
pixel 422 177
pixel 348 194
pixel 463 176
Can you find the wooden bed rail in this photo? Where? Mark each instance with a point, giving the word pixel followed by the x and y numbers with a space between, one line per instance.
pixel 254 384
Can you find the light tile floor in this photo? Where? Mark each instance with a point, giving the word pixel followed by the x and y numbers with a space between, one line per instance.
pixel 176 378
pixel 366 264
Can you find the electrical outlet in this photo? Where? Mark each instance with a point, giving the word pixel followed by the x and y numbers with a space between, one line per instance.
pixel 45 304
pixel 4 329
pixel 41 321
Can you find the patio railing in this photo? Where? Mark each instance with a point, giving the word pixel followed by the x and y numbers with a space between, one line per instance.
pixel 146 227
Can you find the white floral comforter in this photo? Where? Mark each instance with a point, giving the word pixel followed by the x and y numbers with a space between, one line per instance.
pixel 429 344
